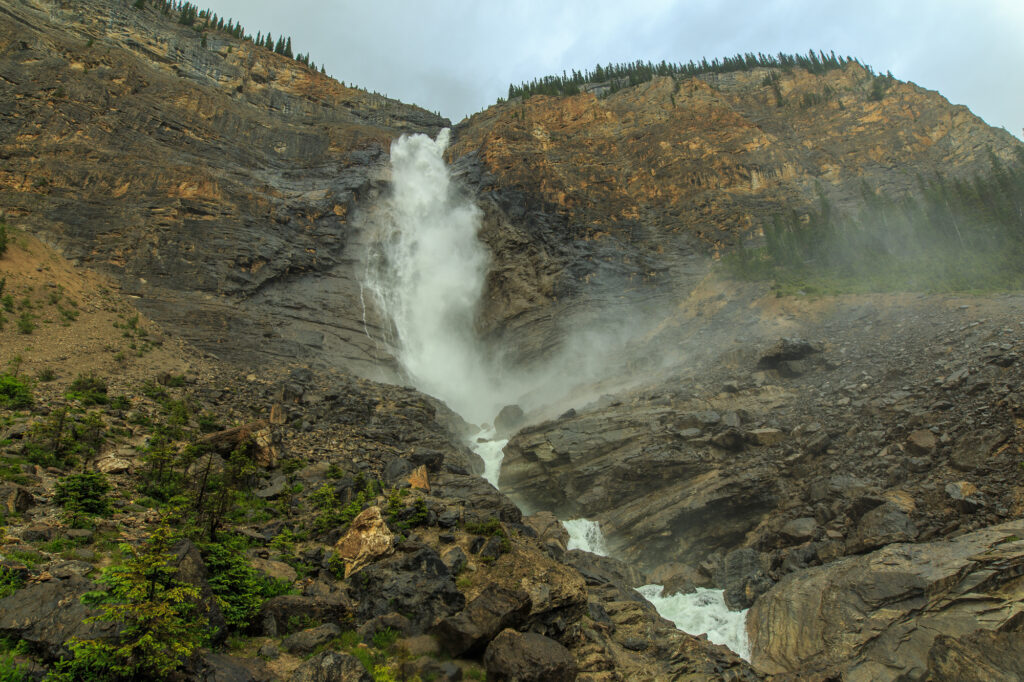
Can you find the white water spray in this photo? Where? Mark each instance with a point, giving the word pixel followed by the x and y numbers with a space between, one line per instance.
pixel 702 612
pixel 586 535
pixel 429 277
pixel 490 452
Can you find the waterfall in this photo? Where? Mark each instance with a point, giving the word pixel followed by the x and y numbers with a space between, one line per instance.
pixel 700 612
pixel 428 277
pixel 586 535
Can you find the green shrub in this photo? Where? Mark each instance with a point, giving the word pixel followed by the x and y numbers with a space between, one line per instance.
pixel 26 322
pixel 64 437
pixel 83 494
pixel 88 389
pixel 46 374
pixel 3 238
pixel 10 581
pixel 14 393
pixel 239 588
pixel 11 670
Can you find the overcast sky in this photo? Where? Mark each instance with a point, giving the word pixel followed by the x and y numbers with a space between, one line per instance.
pixel 458 56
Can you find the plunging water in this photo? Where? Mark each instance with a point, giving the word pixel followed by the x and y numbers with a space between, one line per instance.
pixel 428 277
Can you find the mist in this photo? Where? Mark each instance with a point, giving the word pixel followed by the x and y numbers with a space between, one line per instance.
pixel 426 270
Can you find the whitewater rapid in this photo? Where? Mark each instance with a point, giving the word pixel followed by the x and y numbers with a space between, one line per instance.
pixel 697 613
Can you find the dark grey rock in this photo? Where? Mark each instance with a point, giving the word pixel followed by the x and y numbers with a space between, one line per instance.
pixel 528 657
pixel 469 631
pixel 331 666
pixel 414 582
pixel 48 614
pixel 743 578
pixel 305 641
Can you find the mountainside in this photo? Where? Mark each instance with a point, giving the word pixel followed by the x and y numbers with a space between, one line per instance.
pixel 215 179
pixel 622 189
pixel 199 413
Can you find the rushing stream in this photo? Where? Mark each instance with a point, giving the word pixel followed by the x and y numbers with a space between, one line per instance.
pixel 427 277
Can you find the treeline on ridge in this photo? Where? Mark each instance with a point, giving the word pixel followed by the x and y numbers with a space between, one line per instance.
pixel 206 20
pixel 950 235
pixel 633 73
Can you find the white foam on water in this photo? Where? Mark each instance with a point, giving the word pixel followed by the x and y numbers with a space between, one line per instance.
pixel 702 612
pixel 586 535
pixel 490 452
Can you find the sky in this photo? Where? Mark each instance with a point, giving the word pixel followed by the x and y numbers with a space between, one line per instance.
pixel 457 57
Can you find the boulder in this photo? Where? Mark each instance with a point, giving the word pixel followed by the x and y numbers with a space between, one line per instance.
pixel 528 657
pixel 49 613
pixel 900 598
pixel 331 666
pixel 469 631
pixel 15 499
pixel 414 582
pixel 921 443
pixel 785 350
pixel 766 436
pixel 277 614
pixel 368 538
pixel 482 501
pixel 881 526
pixel 549 529
pixel 799 530
pixel 599 570
pixel 509 419
pixel 965 496
pixel 305 641
pixel 274 569
pixel 216 667
pixel 973 450
pixel 743 578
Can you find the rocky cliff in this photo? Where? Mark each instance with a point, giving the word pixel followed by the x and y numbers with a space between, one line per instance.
pixel 617 193
pixel 215 179
pixel 223 184
pixel 847 467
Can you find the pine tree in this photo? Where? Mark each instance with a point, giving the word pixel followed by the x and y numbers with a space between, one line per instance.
pixel 156 612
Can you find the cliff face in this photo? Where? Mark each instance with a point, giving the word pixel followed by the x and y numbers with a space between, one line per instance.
pixel 632 184
pixel 223 184
pixel 216 181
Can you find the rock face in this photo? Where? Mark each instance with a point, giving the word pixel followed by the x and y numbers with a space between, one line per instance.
pixel 660 493
pixel 215 179
pixel 876 616
pixel 596 203
pixel 235 206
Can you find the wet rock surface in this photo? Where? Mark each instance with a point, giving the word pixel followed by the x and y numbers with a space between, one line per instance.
pixel 901 596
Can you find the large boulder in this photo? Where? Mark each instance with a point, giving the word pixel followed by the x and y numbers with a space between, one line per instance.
pixel 368 538
pixel 278 614
pixel 876 616
pixel 331 666
pixel 48 614
pixel 528 657
pixel 414 582
pixel 495 609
